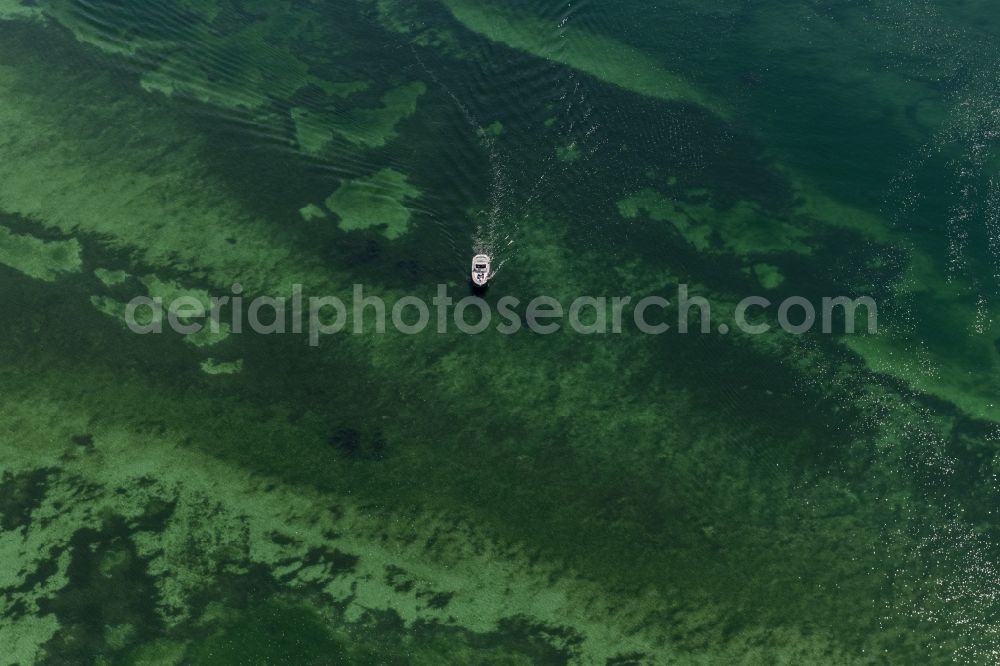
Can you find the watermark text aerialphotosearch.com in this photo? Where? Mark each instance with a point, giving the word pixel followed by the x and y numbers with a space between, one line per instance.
pixel 318 316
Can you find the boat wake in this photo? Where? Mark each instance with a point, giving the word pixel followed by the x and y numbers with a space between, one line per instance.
pixel 496 227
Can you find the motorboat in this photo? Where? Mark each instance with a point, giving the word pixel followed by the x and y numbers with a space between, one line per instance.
pixel 481 271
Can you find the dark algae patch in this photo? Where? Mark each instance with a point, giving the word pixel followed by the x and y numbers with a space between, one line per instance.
pixel 270 633
pixel 618 498
pixel 19 495
pixel 107 603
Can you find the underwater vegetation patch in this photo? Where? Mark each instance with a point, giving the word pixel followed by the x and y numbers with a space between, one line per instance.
pixel 376 201
pixel 41 259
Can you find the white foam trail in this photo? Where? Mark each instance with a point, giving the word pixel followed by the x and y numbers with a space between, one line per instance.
pixel 496 231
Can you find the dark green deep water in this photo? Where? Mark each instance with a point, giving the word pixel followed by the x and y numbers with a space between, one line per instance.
pixel 492 499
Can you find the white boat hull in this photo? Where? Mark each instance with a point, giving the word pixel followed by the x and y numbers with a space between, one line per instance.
pixel 482 270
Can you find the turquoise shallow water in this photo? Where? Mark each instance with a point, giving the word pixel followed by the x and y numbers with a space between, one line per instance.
pixel 615 498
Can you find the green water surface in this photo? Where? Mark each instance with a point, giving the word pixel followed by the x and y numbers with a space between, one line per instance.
pixel 492 499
